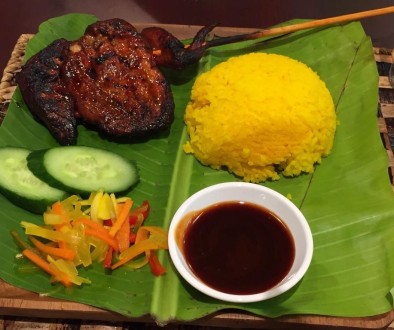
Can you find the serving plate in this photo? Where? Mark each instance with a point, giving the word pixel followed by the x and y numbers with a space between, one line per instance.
pixel 347 228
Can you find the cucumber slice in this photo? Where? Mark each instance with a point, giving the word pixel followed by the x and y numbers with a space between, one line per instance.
pixel 79 169
pixel 19 185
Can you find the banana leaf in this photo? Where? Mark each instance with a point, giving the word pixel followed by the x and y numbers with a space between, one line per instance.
pixel 348 200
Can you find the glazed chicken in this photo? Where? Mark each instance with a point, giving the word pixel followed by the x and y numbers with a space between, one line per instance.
pixel 109 80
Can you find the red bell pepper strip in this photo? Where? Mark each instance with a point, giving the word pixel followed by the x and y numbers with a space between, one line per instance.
pixel 140 213
pixel 108 258
pixel 108 223
pixel 156 267
pixel 132 238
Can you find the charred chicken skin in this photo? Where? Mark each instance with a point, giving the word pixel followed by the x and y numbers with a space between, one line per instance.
pixel 45 93
pixel 109 79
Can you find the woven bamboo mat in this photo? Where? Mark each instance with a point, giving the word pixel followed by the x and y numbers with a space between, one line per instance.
pixel 385 114
pixel 7 83
pixel 384 59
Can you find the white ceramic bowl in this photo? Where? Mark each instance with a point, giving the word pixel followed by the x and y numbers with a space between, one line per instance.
pixel 260 195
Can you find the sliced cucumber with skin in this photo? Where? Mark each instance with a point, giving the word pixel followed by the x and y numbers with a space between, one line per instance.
pixel 79 169
pixel 20 186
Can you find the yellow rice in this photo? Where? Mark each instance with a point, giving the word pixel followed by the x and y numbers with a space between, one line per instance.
pixel 259 115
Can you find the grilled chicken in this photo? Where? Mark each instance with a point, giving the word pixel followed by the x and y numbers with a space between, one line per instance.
pixel 108 79
pixel 170 52
pixel 115 84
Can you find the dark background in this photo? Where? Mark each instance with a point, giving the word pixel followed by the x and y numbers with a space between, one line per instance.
pixel 24 16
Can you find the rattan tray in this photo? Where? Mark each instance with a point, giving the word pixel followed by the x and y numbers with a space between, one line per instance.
pixel 18 302
pixel 384 60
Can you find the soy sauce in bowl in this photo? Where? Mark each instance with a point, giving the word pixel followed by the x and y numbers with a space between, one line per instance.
pixel 237 247
pixel 240 242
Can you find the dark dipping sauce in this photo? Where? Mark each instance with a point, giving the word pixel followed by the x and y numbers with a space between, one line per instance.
pixel 237 247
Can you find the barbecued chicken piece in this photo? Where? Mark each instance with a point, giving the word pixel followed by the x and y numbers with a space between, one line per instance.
pixel 170 52
pixel 114 81
pixel 45 94
pixel 107 79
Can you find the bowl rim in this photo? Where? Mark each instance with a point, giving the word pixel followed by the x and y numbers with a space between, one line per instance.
pixel 286 284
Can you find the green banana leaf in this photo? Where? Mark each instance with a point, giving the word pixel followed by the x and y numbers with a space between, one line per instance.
pixel 348 201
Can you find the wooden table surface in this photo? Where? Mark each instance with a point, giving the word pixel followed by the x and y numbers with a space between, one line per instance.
pixel 20 309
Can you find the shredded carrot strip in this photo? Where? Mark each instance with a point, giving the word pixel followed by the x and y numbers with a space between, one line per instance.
pixel 103 236
pixel 62 244
pixel 57 252
pixel 57 208
pixel 122 216
pixel 58 275
pixel 92 224
pixel 123 236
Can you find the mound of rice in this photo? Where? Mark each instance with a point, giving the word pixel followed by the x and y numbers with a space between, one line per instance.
pixel 259 115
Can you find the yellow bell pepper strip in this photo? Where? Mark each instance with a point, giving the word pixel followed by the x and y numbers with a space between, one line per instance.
pixel 35 230
pixel 94 207
pixel 114 202
pixel 106 209
pixel 138 262
pixel 135 238
pixel 57 275
pixel 137 249
pixel 53 218
pixel 98 248
pixel 121 216
pixel 158 232
pixel 142 234
pixel 79 243
pixel 69 269
pixel 54 251
pixel 65 207
pixel 156 267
